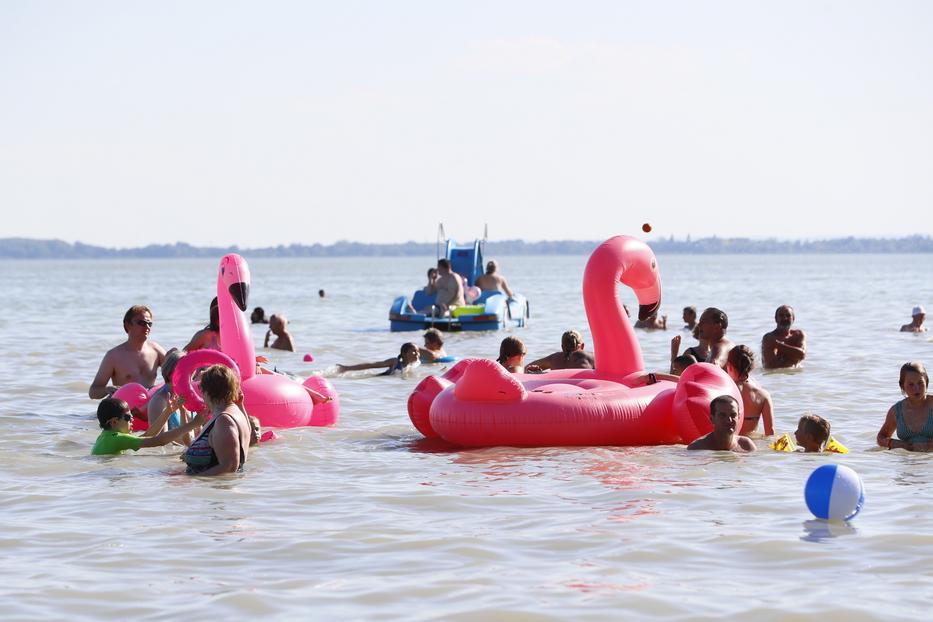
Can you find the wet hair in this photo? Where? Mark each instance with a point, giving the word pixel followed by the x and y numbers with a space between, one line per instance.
pixel 684 361
pixel 570 342
pixel 444 263
pixel 743 360
pixel 722 399
pixel 916 367
pixel 215 315
pixel 816 426
pixel 720 316
pixel 691 309
pixel 133 312
pixel 432 335
pixel 109 408
pixel 220 384
pixel 406 347
pixel 510 346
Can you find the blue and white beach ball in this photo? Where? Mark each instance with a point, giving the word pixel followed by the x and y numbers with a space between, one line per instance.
pixel 834 492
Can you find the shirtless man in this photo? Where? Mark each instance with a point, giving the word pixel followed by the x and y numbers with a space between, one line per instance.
pixel 449 288
pixel 916 322
pixel 135 360
pixel 784 346
pixel 724 414
pixel 571 356
pixel 652 322
pixel 712 329
pixel 492 281
pixel 278 324
pixel 690 318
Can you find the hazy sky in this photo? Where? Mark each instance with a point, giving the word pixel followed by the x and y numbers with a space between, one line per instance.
pixel 260 123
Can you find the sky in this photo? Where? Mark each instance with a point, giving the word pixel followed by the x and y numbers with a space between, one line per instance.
pixel 125 123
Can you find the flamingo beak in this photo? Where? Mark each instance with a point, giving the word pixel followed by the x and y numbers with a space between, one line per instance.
pixel 645 311
pixel 240 293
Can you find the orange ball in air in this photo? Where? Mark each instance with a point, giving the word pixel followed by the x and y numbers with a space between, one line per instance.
pixel 646 228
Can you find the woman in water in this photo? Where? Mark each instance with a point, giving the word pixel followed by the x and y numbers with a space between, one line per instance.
pixel 571 356
pixel 408 358
pixel 209 336
pixel 512 354
pixel 223 445
pixel 912 417
pixel 756 402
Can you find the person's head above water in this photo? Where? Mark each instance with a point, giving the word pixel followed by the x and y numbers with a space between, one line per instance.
pixel 690 314
pixel 724 413
pixel 408 353
pixel 114 414
pixel 432 337
pixel 277 323
pixel 168 366
pixel 681 363
pixel 258 316
pixel 812 432
pixel 137 321
pixel 220 386
pixel 443 266
pixel 491 266
pixel 913 374
pixel 784 316
pixel 713 324
pixel 509 349
pixel 740 362
pixel 570 342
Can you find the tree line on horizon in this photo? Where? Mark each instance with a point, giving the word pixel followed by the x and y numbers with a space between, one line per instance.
pixel 25 248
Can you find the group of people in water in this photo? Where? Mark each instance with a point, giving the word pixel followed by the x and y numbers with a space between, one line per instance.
pixel 222 445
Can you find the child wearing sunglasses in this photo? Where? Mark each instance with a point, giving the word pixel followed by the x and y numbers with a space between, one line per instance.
pixel 115 438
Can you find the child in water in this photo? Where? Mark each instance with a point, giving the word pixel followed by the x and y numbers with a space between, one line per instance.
pixel 812 433
pixel 408 358
pixel 114 417
pixel 512 354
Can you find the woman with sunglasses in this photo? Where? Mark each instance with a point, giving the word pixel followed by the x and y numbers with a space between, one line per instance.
pixel 114 417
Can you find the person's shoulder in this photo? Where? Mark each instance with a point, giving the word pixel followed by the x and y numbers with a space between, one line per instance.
pixel 699 443
pixel 746 444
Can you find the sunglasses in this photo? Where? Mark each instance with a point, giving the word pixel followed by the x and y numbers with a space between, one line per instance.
pixel 124 416
pixel 146 323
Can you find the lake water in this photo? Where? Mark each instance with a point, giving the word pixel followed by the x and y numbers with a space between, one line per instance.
pixel 364 521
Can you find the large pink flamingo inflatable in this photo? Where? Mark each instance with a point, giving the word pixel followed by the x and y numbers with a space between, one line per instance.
pixel 277 400
pixel 479 404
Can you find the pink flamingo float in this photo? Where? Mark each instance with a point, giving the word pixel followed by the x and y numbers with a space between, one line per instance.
pixel 277 400
pixel 477 403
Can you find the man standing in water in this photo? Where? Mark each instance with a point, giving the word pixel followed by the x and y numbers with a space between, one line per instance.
pixel 492 281
pixel 724 414
pixel 712 329
pixel 784 346
pixel 136 360
pixel 916 322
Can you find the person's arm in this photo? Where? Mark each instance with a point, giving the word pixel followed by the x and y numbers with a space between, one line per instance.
pixel 225 441
pixel 675 347
pixel 769 356
pixel 794 351
pixel 747 444
pixel 767 415
pixel 543 364
pixel 268 334
pixel 886 433
pixel 663 322
pixel 105 373
pixel 197 341
pixel 359 366
pixel 168 406
pixel 505 288
pixel 167 437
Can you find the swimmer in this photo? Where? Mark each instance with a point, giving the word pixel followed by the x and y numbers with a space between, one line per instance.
pixel 912 417
pixel 571 356
pixel 278 326
pixel 223 445
pixel 492 281
pixel 679 364
pixel 690 318
pixel 407 359
pixel 784 346
pixel 756 401
pixel 433 346
pixel 916 323
pixel 258 316
pixel 209 336
pixel 136 360
pixel 812 433
pixel 712 329
pixel 512 354
pixel 652 322
pixel 115 438
pixel 724 414
pixel 699 352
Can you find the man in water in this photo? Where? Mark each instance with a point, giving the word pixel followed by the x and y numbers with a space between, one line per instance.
pixel 492 281
pixel 449 288
pixel 136 360
pixel 690 318
pixel 916 323
pixel 652 322
pixel 724 415
pixel 278 326
pixel 571 355
pixel 712 329
pixel 784 346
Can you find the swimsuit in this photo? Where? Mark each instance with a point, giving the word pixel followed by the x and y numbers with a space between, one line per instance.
pixel 924 435
pixel 200 455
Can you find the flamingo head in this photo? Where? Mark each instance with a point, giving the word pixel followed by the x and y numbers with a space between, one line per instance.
pixel 234 278
pixel 640 272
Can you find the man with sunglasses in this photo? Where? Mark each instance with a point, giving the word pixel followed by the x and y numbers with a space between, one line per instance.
pixel 136 360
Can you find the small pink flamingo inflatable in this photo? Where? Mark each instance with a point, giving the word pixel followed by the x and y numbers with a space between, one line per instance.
pixel 477 403
pixel 277 400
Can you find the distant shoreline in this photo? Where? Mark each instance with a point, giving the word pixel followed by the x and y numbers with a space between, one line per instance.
pixel 24 248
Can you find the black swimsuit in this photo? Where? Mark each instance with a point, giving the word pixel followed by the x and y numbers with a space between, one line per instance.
pixel 197 456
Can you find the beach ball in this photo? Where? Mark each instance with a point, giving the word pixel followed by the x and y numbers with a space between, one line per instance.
pixel 308 358
pixel 834 492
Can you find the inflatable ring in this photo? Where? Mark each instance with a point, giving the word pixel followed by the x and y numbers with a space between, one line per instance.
pixel 190 363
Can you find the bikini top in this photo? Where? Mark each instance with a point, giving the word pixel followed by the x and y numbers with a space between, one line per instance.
pixel 200 455
pixel 904 433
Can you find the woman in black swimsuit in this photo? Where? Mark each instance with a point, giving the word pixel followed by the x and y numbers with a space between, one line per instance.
pixel 223 445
